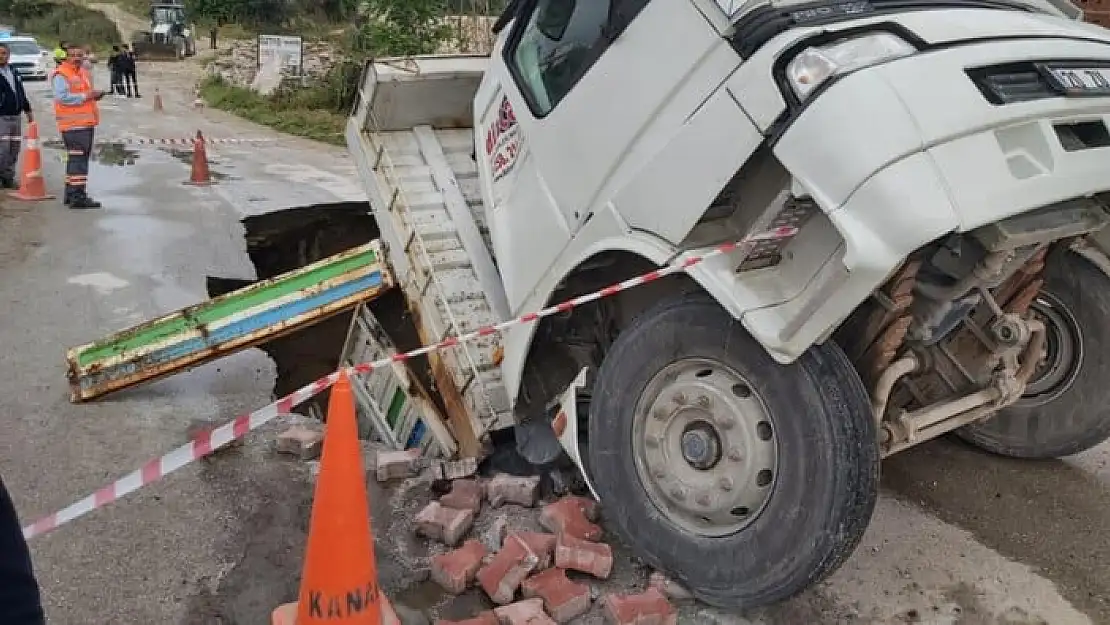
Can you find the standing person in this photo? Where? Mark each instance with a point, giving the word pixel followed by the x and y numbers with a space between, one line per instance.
pixel 20 598
pixel 13 103
pixel 75 106
pixel 116 71
pixel 130 68
pixel 212 36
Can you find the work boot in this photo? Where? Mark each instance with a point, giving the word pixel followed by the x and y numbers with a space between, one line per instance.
pixel 83 202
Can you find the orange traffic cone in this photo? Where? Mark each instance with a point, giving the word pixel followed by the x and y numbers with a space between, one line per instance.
pixel 157 100
pixel 199 176
pixel 339 585
pixel 32 185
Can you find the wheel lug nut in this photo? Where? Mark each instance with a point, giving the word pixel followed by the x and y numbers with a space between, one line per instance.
pixel 704 401
pixel 678 493
pixel 734 455
pixel 680 399
pixel 703 500
pixel 725 484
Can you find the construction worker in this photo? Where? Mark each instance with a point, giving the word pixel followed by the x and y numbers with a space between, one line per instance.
pixel 60 54
pixel 20 598
pixel 75 106
pixel 13 103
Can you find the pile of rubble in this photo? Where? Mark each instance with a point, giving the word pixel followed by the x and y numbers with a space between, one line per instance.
pixel 533 569
pixel 238 64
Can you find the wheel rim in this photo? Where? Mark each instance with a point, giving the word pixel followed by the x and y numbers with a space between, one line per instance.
pixel 1063 352
pixel 705 447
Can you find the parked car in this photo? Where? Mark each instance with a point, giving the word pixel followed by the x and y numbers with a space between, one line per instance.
pixel 30 60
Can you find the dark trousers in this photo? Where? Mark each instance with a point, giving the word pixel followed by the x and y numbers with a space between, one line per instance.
pixel 117 82
pixel 20 602
pixel 79 143
pixel 131 81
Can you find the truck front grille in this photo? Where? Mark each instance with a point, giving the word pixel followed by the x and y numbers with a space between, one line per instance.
pixel 1007 84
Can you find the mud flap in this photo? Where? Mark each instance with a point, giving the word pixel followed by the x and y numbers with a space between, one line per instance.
pixel 565 425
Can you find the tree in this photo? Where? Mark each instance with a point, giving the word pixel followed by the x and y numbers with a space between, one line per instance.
pixel 402 27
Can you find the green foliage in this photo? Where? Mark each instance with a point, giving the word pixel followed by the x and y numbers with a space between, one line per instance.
pixel 314 112
pixel 53 22
pixel 402 27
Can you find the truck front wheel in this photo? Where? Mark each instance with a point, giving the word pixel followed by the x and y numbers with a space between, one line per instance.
pixel 1066 407
pixel 746 480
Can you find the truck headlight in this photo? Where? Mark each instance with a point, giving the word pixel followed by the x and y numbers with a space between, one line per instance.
pixel 813 66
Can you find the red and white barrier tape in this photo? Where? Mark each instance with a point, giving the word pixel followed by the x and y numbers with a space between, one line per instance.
pixel 162 140
pixel 207 442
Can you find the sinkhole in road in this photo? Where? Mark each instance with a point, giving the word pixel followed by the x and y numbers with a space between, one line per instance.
pixel 285 240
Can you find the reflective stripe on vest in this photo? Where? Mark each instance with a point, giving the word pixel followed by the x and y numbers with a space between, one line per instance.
pixel 84 115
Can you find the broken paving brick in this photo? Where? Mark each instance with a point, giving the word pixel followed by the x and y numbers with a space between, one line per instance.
pixel 502 489
pixel 447 525
pixel 527 612
pixel 465 494
pixel 563 598
pixel 647 608
pixel 584 556
pixel 394 465
pixel 300 441
pixel 508 568
pixel 455 570
pixel 541 544
pixel 452 469
pixel 484 618
pixel 571 515
pixel 494 535
pixel 669 587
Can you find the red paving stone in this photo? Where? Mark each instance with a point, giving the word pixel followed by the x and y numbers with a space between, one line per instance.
pixel 647 608
pixel 503 575
pixel 571 515
pixel 541 544
pixel 464 495
pixel 527 612
pixel 447 525
pixel 455 570
pixel 523 491
pixel 585 556
pixel 562 598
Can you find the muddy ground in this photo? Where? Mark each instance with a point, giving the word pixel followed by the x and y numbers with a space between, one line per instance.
pixel 959 536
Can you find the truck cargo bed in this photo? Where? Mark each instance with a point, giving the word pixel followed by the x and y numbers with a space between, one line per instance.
pixel 410 137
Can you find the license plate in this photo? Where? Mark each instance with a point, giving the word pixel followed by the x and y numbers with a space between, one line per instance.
pixel 1082 80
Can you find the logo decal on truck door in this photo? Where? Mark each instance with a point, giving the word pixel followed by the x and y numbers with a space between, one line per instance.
pixel 503 141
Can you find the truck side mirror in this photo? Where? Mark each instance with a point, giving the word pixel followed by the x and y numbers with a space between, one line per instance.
pixel 553 17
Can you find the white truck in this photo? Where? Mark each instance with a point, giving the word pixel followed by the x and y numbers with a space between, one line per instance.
pixel 946 164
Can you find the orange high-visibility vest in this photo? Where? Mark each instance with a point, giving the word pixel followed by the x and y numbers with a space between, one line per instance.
pixel 84 115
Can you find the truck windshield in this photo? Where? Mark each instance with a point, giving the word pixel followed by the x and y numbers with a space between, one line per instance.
pixel 167 15
pixel 736 8
pixel 22 48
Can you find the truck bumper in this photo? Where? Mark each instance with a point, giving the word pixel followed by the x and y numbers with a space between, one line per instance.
pixel 922 155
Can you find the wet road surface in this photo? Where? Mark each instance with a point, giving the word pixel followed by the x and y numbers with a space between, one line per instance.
pixel 959 536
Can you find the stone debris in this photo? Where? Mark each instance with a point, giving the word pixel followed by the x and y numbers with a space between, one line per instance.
pixel 671 589
pixel 533 577
pixel 452 469
pixel 395 465
pixel 304 442
pixel 503 489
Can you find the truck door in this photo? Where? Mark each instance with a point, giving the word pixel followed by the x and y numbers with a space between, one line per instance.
pixel 574 84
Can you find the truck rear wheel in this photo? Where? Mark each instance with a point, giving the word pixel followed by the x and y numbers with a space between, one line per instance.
pixel 744 479
pixel 1066 407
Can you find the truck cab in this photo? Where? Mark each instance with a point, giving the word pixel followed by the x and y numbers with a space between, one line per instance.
pixel 887 216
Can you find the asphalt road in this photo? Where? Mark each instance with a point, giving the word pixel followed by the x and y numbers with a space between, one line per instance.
pixel 959 536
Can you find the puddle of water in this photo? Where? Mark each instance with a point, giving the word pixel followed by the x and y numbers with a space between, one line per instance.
pixel 114 153
pixel 186 156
